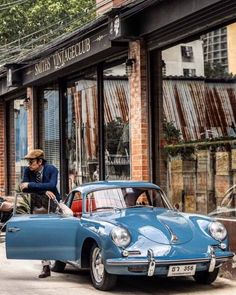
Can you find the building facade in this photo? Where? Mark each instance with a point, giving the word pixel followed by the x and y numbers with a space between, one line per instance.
pixel 95 102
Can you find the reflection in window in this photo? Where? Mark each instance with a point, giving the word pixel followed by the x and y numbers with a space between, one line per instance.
pixel 189 72
pixel 187 53
pixel 188 56
pixel 124 198
pixel 82 131
pixel 21 138
pixel 199 124
pixel 50 126
pixel 116 119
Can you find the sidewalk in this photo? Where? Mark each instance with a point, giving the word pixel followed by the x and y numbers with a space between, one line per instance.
pixel 20 277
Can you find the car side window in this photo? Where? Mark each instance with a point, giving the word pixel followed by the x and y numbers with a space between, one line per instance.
pixel 77 204
pixel 156 199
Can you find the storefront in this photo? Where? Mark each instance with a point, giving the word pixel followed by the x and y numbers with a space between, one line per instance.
pixel 94 100
pixel 74 105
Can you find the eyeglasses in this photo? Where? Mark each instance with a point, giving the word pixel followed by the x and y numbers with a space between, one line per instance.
pixel 31 161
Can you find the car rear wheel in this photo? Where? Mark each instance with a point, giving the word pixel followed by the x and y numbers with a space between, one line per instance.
pixel 100 278
pixel 58 266
pixel 205 277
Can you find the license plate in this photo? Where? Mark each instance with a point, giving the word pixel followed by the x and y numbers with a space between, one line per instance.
pixel 181 270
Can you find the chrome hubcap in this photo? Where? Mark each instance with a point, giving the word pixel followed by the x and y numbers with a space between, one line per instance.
pixel 97 265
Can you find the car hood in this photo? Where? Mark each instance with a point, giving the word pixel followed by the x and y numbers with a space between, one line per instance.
pixel 158 225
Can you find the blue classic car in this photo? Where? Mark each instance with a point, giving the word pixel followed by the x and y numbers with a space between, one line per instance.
pixel 122 228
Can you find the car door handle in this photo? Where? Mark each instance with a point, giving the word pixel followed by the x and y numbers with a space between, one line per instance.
pixel 13 229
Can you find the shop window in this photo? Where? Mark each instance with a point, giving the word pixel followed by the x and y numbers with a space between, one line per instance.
pixel 197 110
pixel 18 142
pixel 82 130
pixel 21 138
pixel 116 120
pixel 49 125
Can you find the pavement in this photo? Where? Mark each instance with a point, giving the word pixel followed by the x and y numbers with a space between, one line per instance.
pixel 20 277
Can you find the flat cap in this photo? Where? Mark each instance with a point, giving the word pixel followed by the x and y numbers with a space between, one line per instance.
pixel 34 154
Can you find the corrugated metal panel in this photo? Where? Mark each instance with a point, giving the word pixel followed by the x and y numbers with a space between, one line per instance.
pixel 199 108
pixel 116 100
pixel 116 104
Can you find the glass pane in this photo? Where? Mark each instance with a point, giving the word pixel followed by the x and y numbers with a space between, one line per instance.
pixel 82 131
pixel 49 103
pixel 21 138
pixel 116 120
pixel 199 123
pixel 121 198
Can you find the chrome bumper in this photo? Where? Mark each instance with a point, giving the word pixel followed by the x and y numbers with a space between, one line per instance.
pixel 151 262
pixel 131 262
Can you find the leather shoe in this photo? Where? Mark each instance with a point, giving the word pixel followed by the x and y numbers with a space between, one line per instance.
pixel 46 272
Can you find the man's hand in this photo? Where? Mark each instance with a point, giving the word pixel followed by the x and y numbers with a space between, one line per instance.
pixel 50 195
pixel 24 185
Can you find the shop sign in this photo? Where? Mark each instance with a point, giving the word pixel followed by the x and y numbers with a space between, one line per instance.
pixel 65 57
pixel 60 58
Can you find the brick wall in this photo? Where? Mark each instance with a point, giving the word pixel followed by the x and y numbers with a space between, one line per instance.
pixel 139 136
pixel 2 145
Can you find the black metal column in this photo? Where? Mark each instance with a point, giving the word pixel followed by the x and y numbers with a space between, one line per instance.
pixel 156 110
pixel 100 97
pixel 64 182
pixel 7 132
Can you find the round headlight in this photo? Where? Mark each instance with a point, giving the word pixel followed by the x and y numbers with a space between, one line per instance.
pixel 120 236
pixel 217 231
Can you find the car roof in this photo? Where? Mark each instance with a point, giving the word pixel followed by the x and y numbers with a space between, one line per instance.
pixel 100 185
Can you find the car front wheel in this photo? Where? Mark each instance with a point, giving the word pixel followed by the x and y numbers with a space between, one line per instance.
pixel 205 277
pixel 100 278
pixel 58 266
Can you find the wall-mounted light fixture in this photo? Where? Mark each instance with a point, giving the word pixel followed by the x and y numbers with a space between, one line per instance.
pixel 26 103
pixel 129 66
pixel 16 113
pixel 14 76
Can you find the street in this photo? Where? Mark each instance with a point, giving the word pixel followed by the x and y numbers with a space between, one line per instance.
pixel 21 277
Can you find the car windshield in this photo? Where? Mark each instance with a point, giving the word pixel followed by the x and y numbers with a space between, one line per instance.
pixel 120 198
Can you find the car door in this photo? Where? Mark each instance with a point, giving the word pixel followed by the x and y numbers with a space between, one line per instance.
pixel 49 236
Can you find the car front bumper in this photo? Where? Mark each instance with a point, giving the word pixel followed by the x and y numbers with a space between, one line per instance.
pixel 151 265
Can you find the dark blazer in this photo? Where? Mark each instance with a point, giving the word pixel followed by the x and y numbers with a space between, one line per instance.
pixel 49 180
